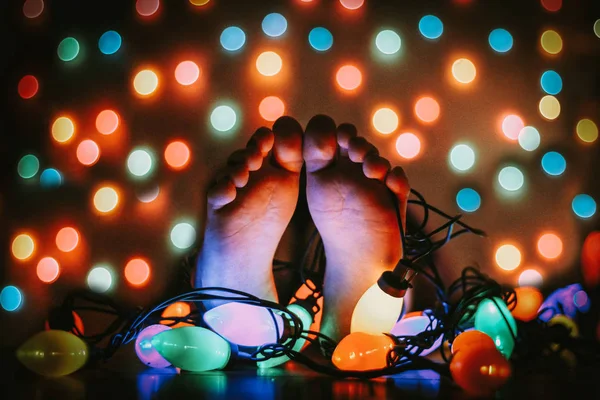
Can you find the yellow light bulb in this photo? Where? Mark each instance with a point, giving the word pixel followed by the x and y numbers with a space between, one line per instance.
pixel 376 312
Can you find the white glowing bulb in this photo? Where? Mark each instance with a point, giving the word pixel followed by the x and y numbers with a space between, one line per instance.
pixel 376 312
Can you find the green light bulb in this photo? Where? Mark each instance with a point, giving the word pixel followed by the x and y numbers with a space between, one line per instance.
pixel 306 319
pixel 192 348
pixel 495 320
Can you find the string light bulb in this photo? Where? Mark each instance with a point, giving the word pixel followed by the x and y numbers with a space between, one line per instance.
pixel 144 349
pixel 494 319
pixel 361 351
pixel 480 371
pixel 414 323
pixel 179 309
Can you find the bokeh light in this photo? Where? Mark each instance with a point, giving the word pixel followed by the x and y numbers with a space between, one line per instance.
pixel 106 199
pixel 385 120
pixel 551 82
pixel 462 157
pixel 232 38
pixel 63 129
pixel 274 25
pixel 512 125
pixel 68 49
pixel 223 118
pixel 508 257
pixel 11 298
pixel 551 42
pixel 463 70
pixel 140 162
pixel 348 77
pixel 552 5
pixel 33 8
pixel 88 152
pixel 549 107
pixel 269 63
pixel 48 270
pixel 22 246
pixel 550 246
pixel 187 72
pixel 28 166
pixel 388 42
pixel 50 178
pixel 553 163
pixel 352 4
pixel 28 87
pixel 320 39
pixel 145 82
pixel 177 155
pixel 67 239
pixel 531 277
pixel 137 272
pixel 529 138
pixel 199 3
pixel 431 27
pixel 587 130
pixel 183 235
pixel 271 108
pixel 511 178
pixel 500 40
pixel 584 205
pixel 427 109
pixel 468 200
pixel 107 122
pixel 597 28
pixel 110 42
pixel 408 145
pixel 147 8
pixel 582 301
pixel 100 279
pixel 149 195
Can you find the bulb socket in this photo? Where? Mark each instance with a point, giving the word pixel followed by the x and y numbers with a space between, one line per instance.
pixel 393 284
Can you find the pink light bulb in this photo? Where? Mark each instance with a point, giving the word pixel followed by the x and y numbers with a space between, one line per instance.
pixel 144 350
pixel 411 325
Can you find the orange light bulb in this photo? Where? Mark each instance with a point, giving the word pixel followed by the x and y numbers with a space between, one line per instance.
pixel 529 300
pixel 362 352
pixel 472 339
pixel 480 371
pixel 176 310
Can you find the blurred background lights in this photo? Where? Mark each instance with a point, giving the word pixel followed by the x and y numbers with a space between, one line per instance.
pixel 320 39
pixel 11 298
pixel 582 301
pixel 463 70
pixel 187 72
pixel 550 246
pixel 584 205
pixel 63 129
pixel 462 157
pixel 551 42
pixel 500 40
pixel 587 130
pixel 199 3
pixel 177 155
pixel 552 5
pixel 28 87
pixel 352 4
pixel 109 42
pixel 385 120
pixel 269 63
pixel 388 42
pixel 468 200
pixel 88 152
pixel 553 163
pixel 67 239
pixel 139 162
pixel 551 82
pixel 232 38
pixel 147 7
pixel 22 246
pixel 137 272
pixel 68 49
pixel 183 235
pixel 149 195
pixel 529 138
pixel 145 82
pixel 99 279
pixel 50 178
pixel 408 145
pixel 511 126
pixel 531 277
pixel 597 28
pixel 33 8
pixel 348 77
pixel 28 166
pixel 511 178
pixel 106 199
pixel 271 108
pixel 431 27
pixel 223 118
pixel 549 107
pixel 274 25
pixel 48 270
pixel 427 109
pixel 107 122
pixel 508 257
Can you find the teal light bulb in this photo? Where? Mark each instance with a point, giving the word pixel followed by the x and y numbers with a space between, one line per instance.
pixel 307 319
pixel 192 348
pixel 495 320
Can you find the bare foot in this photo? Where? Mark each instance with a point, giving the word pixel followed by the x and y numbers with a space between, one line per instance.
pixel 348 193
pixel 249 208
